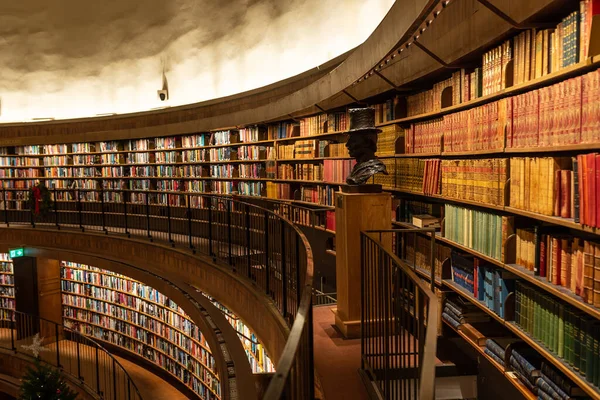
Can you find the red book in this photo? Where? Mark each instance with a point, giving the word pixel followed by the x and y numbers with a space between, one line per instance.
pixel 591 194
pixel 557 194
pixel 581 171
pixel 543 256
pixel 597 192
pixel 556 264
pixel 565 191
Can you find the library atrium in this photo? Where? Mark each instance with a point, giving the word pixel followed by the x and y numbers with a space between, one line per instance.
pixel 317 199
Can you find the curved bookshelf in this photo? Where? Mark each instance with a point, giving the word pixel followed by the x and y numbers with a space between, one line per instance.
pixel 97 299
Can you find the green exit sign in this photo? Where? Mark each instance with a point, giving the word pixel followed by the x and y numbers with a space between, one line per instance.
pixel 15 253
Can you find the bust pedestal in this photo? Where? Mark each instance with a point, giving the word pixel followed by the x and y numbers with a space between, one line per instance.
pixel 355 212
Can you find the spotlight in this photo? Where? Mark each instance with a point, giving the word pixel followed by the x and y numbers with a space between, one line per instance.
pixel 163 94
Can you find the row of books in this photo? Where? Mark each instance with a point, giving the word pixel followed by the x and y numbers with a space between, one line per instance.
pixel 417 250
pixel 458 312
pixel 486 283
pixel 480 180
pixel 562 260
pixel 568 333
pixel 481 231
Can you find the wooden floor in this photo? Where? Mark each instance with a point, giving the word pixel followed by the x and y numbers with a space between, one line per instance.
pixel 336 359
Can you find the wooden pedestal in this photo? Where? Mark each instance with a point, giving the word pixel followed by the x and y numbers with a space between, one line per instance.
pixel 355 212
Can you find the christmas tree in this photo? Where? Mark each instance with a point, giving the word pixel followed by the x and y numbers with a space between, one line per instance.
pixel 44 382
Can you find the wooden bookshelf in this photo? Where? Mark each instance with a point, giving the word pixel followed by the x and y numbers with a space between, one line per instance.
pixel 161 316
pixel 512 379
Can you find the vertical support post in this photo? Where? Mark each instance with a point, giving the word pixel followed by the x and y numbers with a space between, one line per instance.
pixel 228 202
pixel 284 277
pixel 80 216
pixel 5 206
pixel 189 212
pixel 210 241
pixel 148 218
pixel 114 379
pixel 55 210
pixel 103 214
pixel 12 331
pixel 248 241
pixel 298 284
pixel 433 261
pixel 169 221
pixel 97 372
pixel 267 268
pixel 125 213
pixel 78 359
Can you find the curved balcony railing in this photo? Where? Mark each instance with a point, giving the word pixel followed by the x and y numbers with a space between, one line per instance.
pixel 74 354
pixel 256 243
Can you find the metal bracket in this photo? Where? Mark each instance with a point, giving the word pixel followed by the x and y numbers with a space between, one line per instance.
pixel 435 57
pixel 509 20
pixel 320 108
pixel 352 97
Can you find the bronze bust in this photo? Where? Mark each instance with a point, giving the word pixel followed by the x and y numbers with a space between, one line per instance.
pixel 362 145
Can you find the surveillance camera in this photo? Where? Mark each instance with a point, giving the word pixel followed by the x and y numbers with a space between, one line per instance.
pixel 163 95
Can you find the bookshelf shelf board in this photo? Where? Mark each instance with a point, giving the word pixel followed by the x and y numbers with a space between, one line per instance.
pixel 137 354
pixel 32 166
pixel 424 274
pixel 580 381
pixel 314 159
pixel 447 199
pixel 320 135
pixel 417 155
pixel 553 77
pixel 471 153
pixel 553 149
pixel 509 376
pixel 320 228
pixel 308 182
pixel 558 291
pixel 566 222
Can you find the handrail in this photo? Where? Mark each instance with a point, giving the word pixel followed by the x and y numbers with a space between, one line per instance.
pixel 384 274
pixel 259 244
pixel 108 374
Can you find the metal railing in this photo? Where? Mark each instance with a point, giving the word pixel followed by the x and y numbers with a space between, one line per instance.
pixel 256 243
pixel 398 321
pixel 71 352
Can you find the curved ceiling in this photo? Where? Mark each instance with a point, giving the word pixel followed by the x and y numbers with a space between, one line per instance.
pixel 72 58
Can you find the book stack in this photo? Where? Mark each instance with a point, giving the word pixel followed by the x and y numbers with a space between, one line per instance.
pixel 421 103
pixel 542 185
pixel 323 195
pixel 255 152
pixel 426 221
pixel 386 140
pixel 525 364
pixel 253 134
pixel 424 137
pixel 417 252
pixel 472 87
pixel 496 348
pixel 458 312
pixel 251 171
pixel 567 332
pixel 480 180
pixel 387 111
pixel 279 191
pixel 197 140
pixel 494 68
pixel 431 177
pixel 553 385
pixel 336 171
pixel 481 231
pixel 409 174
pixel 285 151
pixel 475 129
pixel 313 125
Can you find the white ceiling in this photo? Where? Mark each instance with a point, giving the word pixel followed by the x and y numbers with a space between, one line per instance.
pixel 72 58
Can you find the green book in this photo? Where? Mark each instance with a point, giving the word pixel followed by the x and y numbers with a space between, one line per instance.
pixel 576 342
pixel 546 321
pixel 569 336
pixel 589 349
pixel 537 319
pixel 596 352
pixel 561 331
pixel 582 344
